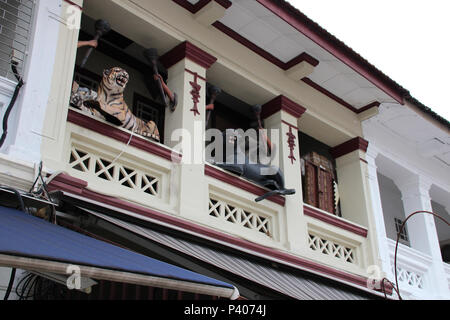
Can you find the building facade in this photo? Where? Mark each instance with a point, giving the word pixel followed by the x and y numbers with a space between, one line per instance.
pixel 329 117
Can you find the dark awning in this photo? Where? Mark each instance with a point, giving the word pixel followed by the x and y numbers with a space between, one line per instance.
pixel 292 284
pixel 30 243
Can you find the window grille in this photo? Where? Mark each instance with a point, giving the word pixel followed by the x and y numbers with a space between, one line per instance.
pixel 404 233
pixel 85 81
pixel 16 18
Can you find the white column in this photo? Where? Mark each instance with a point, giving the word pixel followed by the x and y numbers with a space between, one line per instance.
pixel 27 118
pixel 383 254
pixel 422 229
pixel 184 128
pixel 288 158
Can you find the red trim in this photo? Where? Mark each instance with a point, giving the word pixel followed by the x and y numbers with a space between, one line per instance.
pixel 328 42
pixel 61 183
pixel 194 8
pixel 329 94
pixel 311 212
pixel 357 143
pixel 300 58
pixel 263 53
pixel 242 184
pixel 370 105
pixel 282 103
pixel 74 4
pixel 363 160
pixel 189 51
pixel 195 74
pixel 122 136
pixel 290 125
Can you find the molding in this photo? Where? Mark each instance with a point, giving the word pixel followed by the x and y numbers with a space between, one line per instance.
pixel 194 8
pixel 7 87
pixel 241 183
pixel 284 104
pixel 74 4
pixel 335 221
pixel 119 134
pixel 375 104
pixel 187 50
pixel 16 173
pixel 359 282
pixel 357 143
pixel 330 95
pixel 300 58
pixel 263 53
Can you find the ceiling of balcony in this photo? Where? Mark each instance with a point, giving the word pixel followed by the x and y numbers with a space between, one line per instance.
pixel 269 32
pixel 429 140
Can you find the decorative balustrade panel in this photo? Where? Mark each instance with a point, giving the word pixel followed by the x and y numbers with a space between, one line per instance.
pixel 412 267
pixel 241 217
pixel 447 271
pixel 409 278
pixel 114 172
pixel 117 164
pixel 331 248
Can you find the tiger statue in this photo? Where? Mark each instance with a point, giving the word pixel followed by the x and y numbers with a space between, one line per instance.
pixel 108 103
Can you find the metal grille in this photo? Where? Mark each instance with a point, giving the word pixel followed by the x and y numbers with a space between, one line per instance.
pixel 146 111
pixel 15 28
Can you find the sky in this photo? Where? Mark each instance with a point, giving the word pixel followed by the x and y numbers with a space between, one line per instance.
pixel 408 40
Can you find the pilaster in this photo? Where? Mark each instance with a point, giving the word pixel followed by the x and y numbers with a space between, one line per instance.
pixel 184 127
pixel 355 195
pixel 281 115
pixel 383 254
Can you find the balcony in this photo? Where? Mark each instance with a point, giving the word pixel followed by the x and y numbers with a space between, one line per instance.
pixel 413 270
pixel 113 163
pixel 336 241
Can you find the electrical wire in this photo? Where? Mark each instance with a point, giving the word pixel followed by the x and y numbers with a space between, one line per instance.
pixel 19 85
pixel 42 191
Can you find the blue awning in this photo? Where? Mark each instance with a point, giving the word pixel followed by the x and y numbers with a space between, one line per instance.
pixel 31 243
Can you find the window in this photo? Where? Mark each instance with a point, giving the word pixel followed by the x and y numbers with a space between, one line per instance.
pixel 147 110
pixel 320 187
pixel 16 17
pixel 404 233
pixel 87 79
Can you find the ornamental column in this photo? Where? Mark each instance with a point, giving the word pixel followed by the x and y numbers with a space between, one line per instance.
pixel 422 228
pixel 380 226
pixel 184 128
pixel 281 114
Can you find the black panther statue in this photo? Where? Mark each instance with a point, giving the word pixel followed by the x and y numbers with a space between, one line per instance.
pixel 238 162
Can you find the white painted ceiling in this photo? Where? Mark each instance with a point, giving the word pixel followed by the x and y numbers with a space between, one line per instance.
pixel 429 140
pixel 269 32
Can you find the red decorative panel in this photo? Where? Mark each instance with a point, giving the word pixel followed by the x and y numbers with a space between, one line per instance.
pixel 195 92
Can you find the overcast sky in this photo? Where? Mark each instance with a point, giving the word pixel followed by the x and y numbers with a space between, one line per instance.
pixel 408 40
